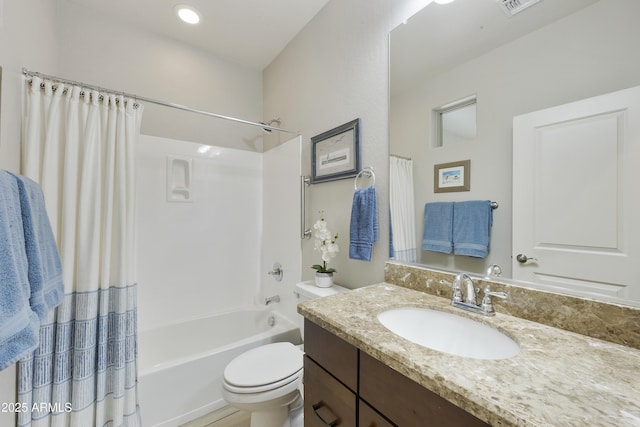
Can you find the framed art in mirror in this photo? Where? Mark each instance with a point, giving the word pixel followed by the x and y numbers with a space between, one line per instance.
pixel 335 154
pixel 453 176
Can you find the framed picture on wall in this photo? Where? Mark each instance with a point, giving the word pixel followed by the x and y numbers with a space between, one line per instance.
pixel 335 154
pixel 453 176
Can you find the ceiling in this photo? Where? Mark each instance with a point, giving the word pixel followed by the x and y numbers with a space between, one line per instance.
pixel 250 32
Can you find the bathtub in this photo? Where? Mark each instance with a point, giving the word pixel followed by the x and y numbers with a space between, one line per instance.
pixel 180 366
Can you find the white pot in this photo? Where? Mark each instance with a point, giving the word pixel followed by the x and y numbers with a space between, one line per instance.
pixel 324 280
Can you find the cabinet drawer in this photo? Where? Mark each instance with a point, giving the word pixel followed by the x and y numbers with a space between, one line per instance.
pixel 405 402
pixel 369 417
pixel 332 353
pixel 326 400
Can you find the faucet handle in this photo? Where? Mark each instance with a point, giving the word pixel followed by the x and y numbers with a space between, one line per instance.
pixel 487 305
pixel 493 270
pixel 455 286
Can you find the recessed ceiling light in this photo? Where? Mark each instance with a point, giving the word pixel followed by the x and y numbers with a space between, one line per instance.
pixel 187 14
pixel 443 1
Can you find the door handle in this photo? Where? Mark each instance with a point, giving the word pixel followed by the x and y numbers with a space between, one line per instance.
pixel 522 258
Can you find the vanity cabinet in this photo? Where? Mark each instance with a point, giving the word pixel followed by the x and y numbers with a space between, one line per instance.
pixel 330 379
pixel 369 417
pixel 346 387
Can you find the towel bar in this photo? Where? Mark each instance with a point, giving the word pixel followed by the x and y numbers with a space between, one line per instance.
pixel 305 233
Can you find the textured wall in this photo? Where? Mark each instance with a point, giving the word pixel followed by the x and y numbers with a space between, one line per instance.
pixel 334 71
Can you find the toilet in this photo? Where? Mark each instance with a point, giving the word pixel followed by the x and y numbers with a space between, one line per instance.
pixel 267 380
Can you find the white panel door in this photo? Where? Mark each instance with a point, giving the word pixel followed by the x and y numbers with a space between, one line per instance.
pixel 576 197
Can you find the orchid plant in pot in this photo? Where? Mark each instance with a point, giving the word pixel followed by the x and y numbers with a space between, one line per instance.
pixel 325 242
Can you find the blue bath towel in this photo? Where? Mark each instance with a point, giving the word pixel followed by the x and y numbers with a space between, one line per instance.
pixel 363 231
pixel 437 235
pixel 19 325
pixel 45 269
pixel 472 223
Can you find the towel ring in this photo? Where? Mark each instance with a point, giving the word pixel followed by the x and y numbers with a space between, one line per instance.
pixel 366 172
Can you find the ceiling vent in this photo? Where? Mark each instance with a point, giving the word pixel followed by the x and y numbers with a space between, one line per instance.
pixel 512 7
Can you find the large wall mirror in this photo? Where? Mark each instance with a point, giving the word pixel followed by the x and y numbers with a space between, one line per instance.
pixel 553 53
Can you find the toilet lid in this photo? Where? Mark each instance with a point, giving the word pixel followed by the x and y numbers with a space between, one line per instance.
pixel 264 365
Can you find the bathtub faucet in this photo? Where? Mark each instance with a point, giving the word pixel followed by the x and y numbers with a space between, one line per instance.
pixel 275 298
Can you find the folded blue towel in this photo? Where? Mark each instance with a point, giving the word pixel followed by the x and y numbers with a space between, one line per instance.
pixel 472 223
pixel 45 269
pixel 19 325
pixel 363 231
pixel 438 227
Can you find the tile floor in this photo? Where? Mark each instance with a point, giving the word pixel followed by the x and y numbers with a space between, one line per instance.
pixel 225 417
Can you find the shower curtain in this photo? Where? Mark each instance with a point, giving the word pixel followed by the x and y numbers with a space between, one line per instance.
pixel 402 207
pixel 80 148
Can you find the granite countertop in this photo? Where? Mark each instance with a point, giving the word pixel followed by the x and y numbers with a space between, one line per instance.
pixel 560 378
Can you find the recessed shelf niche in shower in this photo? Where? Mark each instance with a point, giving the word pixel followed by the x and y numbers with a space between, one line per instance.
pixel 179 179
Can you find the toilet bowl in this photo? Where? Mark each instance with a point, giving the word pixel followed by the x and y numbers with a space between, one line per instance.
pixel 267 380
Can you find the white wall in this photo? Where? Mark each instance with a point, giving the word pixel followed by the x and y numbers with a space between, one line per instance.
pixel 27 38
pixel 200 257
pixel 334 71
pixel 97 50
pixel 589 53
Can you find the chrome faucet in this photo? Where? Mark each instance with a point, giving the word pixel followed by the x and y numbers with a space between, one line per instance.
pixel 275 298
pixel 469 295
pixel 468 299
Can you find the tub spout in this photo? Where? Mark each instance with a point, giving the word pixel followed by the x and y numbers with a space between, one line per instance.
pixel 275 298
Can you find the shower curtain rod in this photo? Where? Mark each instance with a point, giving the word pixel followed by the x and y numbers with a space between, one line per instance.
pixel 28 73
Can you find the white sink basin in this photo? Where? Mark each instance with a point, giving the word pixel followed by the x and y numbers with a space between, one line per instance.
pixel 449 333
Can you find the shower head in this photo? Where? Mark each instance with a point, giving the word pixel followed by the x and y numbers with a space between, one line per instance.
pixel 269 123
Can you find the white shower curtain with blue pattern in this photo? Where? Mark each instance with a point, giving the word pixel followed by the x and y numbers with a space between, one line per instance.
pixel 80 147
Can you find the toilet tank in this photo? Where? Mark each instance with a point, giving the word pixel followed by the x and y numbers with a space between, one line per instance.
pixel 306 291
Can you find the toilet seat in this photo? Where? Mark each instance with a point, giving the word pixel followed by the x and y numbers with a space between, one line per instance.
pixel 264 368
pixel 264 387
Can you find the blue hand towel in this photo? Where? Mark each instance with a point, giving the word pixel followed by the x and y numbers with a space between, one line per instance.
pixel 472 223
pixel 363 231
pixel 437 235
pixel 45 268
pixel 19 325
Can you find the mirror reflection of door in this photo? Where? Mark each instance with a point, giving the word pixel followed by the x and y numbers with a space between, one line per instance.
pixel 575 197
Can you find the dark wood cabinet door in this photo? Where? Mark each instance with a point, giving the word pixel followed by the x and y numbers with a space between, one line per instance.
pixel 327 402
pixel 369 417
pixel 332 353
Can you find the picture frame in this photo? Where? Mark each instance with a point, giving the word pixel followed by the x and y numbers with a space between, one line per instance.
pixel 452 176
pixel 335 154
